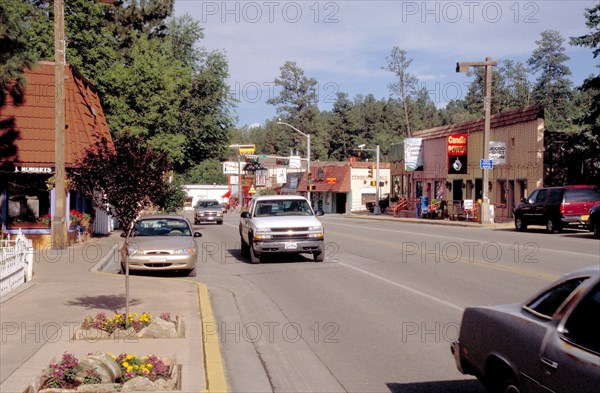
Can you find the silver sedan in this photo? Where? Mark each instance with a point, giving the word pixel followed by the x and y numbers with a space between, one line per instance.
pixel 165 242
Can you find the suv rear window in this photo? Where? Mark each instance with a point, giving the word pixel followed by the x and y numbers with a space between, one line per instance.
pixel 582 194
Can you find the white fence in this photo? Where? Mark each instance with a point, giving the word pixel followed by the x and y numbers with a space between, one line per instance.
pixel 16 262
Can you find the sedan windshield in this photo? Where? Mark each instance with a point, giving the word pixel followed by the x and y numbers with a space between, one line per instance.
pixel 162 227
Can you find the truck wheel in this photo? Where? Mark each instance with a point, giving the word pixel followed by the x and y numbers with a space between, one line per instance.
pixel 319 256
pixel 254 258
pixel 551 226
pixel 244 248
pixel 520 224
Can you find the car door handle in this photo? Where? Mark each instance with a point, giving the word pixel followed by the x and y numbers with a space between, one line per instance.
pixel 550 363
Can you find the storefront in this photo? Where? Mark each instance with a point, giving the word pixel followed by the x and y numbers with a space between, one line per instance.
pixel 451 156
pixel 27 173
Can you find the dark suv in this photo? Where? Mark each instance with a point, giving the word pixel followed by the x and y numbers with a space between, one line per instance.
pixel 556 207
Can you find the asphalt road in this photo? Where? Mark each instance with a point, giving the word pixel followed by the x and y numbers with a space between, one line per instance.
pixel 379 314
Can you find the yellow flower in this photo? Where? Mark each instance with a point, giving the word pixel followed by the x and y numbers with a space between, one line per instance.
pixel 150 365
pixel 126 364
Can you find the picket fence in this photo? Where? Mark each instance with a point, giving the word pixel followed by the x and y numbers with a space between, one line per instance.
pixel 16 262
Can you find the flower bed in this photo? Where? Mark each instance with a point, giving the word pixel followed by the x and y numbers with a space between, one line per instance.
pixel 104 372
pixel 135 325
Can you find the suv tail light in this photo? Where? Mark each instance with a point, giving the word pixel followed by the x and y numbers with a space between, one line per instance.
pixel 562 209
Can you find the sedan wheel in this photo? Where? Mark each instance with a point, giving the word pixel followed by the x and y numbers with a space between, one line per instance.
pixel 520 224
pixel 511 386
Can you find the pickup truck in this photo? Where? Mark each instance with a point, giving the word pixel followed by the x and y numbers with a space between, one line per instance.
pixel 281 224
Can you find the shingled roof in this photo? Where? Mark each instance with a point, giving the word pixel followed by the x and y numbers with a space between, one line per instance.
pixel 33 118
pixel 503 119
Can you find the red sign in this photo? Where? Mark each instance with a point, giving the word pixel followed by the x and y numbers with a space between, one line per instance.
pixel 331 180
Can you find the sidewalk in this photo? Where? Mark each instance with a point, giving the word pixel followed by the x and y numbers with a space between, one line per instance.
pixel 466 224
pixel 38 321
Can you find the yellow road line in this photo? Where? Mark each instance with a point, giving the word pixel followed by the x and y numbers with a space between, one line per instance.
pixel 213 361
pixel 474 262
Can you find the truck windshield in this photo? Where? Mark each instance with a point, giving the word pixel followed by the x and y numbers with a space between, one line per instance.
pixel 283 208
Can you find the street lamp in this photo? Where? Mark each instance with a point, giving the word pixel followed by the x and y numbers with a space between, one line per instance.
pixel 377 208
pixel 464 67
pixel 307 136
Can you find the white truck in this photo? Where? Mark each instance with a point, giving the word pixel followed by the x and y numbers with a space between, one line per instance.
pixel 281 224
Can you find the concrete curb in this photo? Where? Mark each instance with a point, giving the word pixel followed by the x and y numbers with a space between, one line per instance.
pixel 105 260
pixel 385 217
pixel 213 361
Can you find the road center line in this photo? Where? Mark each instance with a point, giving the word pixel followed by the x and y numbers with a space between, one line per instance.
pixel 404 287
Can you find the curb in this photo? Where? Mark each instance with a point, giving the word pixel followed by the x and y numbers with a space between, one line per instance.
pixel 431 222
pixel 105 260
pixel 213 361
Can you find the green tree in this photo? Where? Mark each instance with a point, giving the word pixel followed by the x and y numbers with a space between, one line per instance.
pixel 205 114
pixel 552 88
pixel 406 83
pixel 17 51
pixel 207 172
pixel 296 104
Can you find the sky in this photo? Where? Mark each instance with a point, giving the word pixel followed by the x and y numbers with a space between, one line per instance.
pixel 344 44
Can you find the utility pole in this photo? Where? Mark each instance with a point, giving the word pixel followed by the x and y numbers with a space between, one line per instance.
pixel 463 66
pixel 59 222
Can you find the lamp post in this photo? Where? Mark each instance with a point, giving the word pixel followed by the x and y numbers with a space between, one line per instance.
pixel 464 67
pixel 307 136
pixel 377 208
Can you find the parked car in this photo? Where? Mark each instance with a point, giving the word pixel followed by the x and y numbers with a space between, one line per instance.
pixel 163 242
pixel 384 202
pixel 556 207
pixel 281 224
pixel 208 210
pixel 594 221
pixel 550 343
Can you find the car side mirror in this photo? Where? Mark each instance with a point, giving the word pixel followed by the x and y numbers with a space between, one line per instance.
pixel 197 234
pixel 245 215
pixel 320 213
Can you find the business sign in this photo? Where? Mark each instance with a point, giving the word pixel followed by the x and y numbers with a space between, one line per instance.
pixel 230 168
pixel 33 169
pixel 457 154
pixel 413 154
pixel 498 152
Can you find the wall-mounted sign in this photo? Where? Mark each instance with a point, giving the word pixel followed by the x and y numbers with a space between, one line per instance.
pixel 247 150
pixel 457 154
pixel 498 152
pixel 413 154
pixel 33 169
pixel 331 180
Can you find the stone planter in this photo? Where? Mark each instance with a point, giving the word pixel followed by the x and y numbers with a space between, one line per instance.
pixel 110 372
pixel 158 328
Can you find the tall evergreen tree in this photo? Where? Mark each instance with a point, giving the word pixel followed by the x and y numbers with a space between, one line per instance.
pixel 552 89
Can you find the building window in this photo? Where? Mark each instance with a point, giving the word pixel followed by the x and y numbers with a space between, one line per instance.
pixel 28 198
